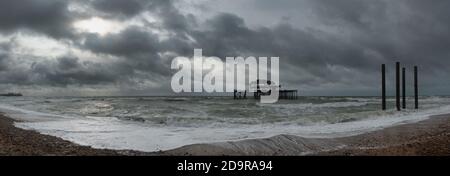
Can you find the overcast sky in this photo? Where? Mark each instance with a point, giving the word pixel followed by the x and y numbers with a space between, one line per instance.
pixel 125 47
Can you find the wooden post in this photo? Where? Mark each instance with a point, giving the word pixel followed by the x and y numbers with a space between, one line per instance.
pixel 416 89
pixel 258 92
pixel 383 86
pixel 403 88
pixel 397 85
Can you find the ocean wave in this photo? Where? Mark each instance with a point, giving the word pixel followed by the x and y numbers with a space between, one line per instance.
pixel 30 115
pixel 176 99
pixel 435 99
pixel 360 99
pixel 321 105
pixel 96 108
pixel 116 135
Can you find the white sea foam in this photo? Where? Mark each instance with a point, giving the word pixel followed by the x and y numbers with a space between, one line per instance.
pixel 317 105
pixel 28 115
pixel 118 134
pixel 96 108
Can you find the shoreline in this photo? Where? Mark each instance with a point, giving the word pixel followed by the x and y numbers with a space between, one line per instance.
pixel 428 137
pixel 423 138
pixel 19 142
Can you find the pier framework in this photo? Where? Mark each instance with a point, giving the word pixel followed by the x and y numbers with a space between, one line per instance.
pixel 282 94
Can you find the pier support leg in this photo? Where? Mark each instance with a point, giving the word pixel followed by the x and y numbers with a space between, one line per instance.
pixel 383 86
pixel 403 88
pixel 397 86
pixel 416 89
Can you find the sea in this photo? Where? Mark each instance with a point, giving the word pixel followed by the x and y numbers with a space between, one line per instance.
pixel 161 123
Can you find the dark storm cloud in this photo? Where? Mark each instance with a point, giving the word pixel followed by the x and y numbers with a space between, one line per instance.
pixel 59 72
pixel 69 70
pixel 44 16
pixel 9 72
pixel 225 36
pixel 359 35
pixel 138 48
pixel 125 8
pixel 342 44
pixel 413 32
pixel 3 56
pixel 131 41
pixel 171 17
pixel 309 50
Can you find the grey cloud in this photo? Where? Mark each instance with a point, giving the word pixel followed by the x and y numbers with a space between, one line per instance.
pixel 126 8
pixel 342 44
pixel 359 35
pixel 43 16
pixel 4 50
pixel 131 41
pixel 413 32
pixel 70 71
pixel 225 34
pixel 137 48
pixel 308 50
pixel 171 18
pixel 350 12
